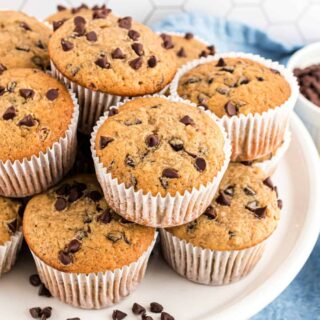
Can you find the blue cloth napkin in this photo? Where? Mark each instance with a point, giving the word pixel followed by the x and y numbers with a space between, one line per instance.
pixel 301 300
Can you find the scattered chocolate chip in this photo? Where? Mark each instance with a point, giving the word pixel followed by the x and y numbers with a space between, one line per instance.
pixel 60 204
pixel 101 13
pixel 260 78
pixel 103 63
pixel 170 173
pixel 105 217
pixel 136 64
pixel 176 144
pixel 34 280
pixel 268 182
pixel 25 26
pixel 274 71
pixel 52 94
pixel 280 204
pixel 74 194
pixel 61 7
pixel 223 200
pixel 221 63
pixel 104 141
pixel 12 226
pixel 260 213
pixel 9 114
pixel 249 191
pixel 125 23
pixel 138 48
pixel 63 190
pixel 57 24
pixel 129 161
pixel 91 36
pixel 46 313
pixel 152 140
pixel 74 246
pixel 146 317
pixel 117 54
pixel 247 163
pixel 166 316
pixel 242 81
pixel 2 68
pixel 181 53
pixel 95 195
pixel 65 258
pixel 231 234
pixel 27 121
pixel 133 35
pixel 115 236
pixel 156 307
pixel 66 45
pixel 200 164
pixel 211 49
pixel 210 212
pixel 138 309
pixel 2 89
pixel 229 191
pixel 252 205
pixel 112 112
pixel 188 35
pixel 191 226
pixel 44 292
pixel 152 61
pixel 229 69
pixel 23 48
pixel 231 109
pixel 168 44
pixel 78 20
pixel 26 93
pixel 35 312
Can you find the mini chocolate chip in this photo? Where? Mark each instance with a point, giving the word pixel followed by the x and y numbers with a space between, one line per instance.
pixel 74 194
pixel 136 64
pixel 95 195
pixel 229 191
pixel 152 61
pixel 260 213
pixel 248 191
pixel 2 90
pixel 34 280
pixel 2 68
pixel 104 141
pixel 80 186
pixel 176 144
pixel 125 23
pixel 200 164
pixel 35 312
pixel 223 200
pixel 280 204
pixel 252 205
pixel 138 48
pixel 25 26
pixel 52 94
pixel 57 24
pixel 247 163
pixel 105 217
pixel 66 45
pixel 166 316
pixel 229 69
pixel 78 20
pixel 61 7
pixel 118 315
pixel 210 212
pixel 115 236
pixel 44 292
pixel 117 54
pixel 146 317
pixel 63 190
pixel 74 246
pixel 156 307
pixel 192 80
pixel 231 234
pixel 221 63
pixel 231 109
pixel 46 313
pixel 23 48
pixel 80 30
pixel 12 226
pixel 138 309
pixel 274 71
pixel 188 35
pixel 27 121
pixel 65 258
pixel 112 112
pixel 26 93
pixel 243 80
pixel 203 53
pixel 101 13
pixel 268 183
pixel 170 173
pixel 186 120
pixel 91 36
pixel 9 114
pixel 60 204
pixel 181 53
pixel 134 35
pixel 212 49
pixel 129 161
pixel 152 140
pixel 260 78
pixel 103 63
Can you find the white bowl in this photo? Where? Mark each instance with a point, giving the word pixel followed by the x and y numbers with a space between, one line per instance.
pixel 307 111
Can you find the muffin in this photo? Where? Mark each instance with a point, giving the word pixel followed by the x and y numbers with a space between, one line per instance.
pixel 226 242
pixel 159 160
pixel 86 255
pixel 10 234
pixel 252 96
pixel 24 42
pixel 38 120
pixel 105 58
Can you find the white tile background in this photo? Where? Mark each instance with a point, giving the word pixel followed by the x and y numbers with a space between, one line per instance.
pixel 291 21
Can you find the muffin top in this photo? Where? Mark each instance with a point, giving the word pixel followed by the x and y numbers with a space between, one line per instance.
pixel 114 55
pixel 9 219
pixel 35 111
pixel 72 229
pixel 24 41
pixel 159 146
pixel 244 212
pixel 232 86
pixel 187 47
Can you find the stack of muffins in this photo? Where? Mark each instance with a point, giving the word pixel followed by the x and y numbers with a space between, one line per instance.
pixel 195 163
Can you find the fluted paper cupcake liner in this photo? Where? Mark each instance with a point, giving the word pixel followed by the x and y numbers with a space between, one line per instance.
pixel 205 266
pixel 157 211
pixel 28 177
pixel 254 135
pixel 9 252
pixel 94 290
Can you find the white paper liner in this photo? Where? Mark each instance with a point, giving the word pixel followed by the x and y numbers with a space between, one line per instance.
pixel 254 135
pixel 205 266
pixel 94 290
pixel 28 177
pixel 9 252
pixel 157 211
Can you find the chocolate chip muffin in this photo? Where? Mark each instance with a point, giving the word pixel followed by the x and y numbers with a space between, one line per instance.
pixel 24 42
pixel 243 214
pixel 72 229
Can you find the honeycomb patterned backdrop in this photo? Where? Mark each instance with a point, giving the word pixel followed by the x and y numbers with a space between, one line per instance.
pixel 290 21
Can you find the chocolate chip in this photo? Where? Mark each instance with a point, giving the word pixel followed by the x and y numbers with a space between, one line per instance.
pixel 129 161
pixel 188 35
pixel 231 234
pixel 91 36
pixel 229 191
pixel 115 236
pixel 25 26
pixel 52 94
pixel 105 217
pixel 2 90
pixel 27 121
pixel 57 24
pixel 268 182
pixel 168 44
pixel 146 317
pixel 46 313
pixel 260 78
pixel 170 173
pixel 133 35
pixel 229 69
pixel 74 194
pixel 274 71
pixel 103 63
pixel 260 213
pixel 203 54
pixel 23 48
pixel 210 212
pixel 26 93
pixel 66 45
pixel 61 7
pixel 192 80
pixel 74 246
pixel 78 20
pixel 280 204
pixel 186 120
pixel 9 114
pixel 112 112
pixel 138 309
pixel 247 163
pixel 252 205
pixel 212 50
pixel 181 53
pixel 2 68
pixel 138 48
pixel 166 316
pixel 125 23
pixel 152 140
pixel 60 204
pixel 35 312
pixel 221 63
pixel 243 80
pixel 65 258
pixel 176 144
pixel 44 292
pixel 104 141
pixel 95 195
pixel 223 200
pixel 231 109
pixel 248 191
pixel 200 164
pixel 152 61
pixel 136 64
pixel 101 13
pixel 118 315
pixel 156 307
pixel 117 54
pixel 34 280
pixel 12 226
pixel 63 190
